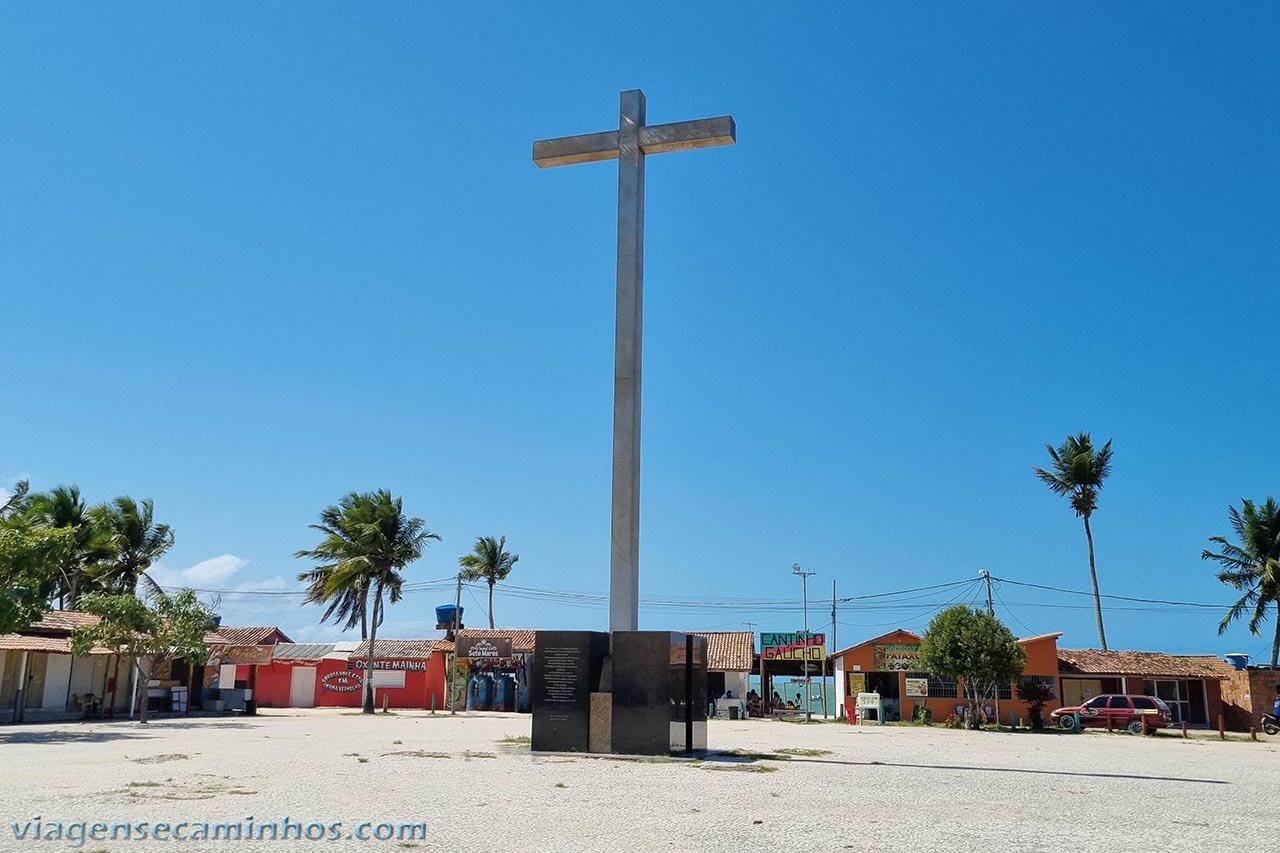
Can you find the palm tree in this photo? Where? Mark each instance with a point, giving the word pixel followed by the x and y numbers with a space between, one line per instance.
pixel 1078 473
pixel 63 507
pixel 367 542
pixel 488 561
pixel 136 540
pixel 1253 566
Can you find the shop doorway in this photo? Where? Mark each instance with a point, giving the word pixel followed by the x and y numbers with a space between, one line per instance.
pixel 302 687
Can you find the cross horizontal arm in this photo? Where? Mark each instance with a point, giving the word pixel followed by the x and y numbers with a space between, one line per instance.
pixel 683 135
pixel 583 148
pixel 655 139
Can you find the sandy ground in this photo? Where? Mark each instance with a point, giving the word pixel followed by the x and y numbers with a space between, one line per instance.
pixel 891 788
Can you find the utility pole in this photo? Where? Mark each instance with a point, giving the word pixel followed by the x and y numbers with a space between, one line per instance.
pixel 837 690
pixel 986 576
pixel 804 591
pixel 453 664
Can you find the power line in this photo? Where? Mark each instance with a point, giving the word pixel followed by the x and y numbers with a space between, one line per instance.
pixel 1116 597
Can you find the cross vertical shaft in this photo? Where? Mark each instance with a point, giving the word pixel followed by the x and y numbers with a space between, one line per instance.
pixel 624 551
pixel 630 143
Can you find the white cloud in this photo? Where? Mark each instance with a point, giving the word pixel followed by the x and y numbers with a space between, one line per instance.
pixel 206 573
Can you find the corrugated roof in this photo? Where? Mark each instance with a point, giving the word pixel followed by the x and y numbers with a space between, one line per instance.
pixel 406 649
pixel 729 651
pixel 300 651
pixel 251 636
pixel 1097 662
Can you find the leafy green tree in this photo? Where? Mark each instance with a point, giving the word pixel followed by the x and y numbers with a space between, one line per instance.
pixel 974 647
pixel 368 541
pixel 150 633
pixel 1252 566
pixel 62 508
pixel 488 561
pixel 136 541
pixel 1078 472
pixel 29 559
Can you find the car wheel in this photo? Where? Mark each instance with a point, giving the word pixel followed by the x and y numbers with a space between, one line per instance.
pixel 1067 722
pixel 1135 727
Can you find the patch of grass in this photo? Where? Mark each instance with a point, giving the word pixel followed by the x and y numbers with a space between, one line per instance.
pixel 144 784
pixel 516 740
pixel 363 714
pixel 363 760
pixel 406 844
pixel 742 768
pixel 468 755
pixel 160 759
pixel 561 785
pixel 415 753
pixel 780 755
pixel 775 793
pixel 798 750
pixel 397 742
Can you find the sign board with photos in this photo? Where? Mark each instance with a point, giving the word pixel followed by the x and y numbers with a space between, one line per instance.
pixel 918 687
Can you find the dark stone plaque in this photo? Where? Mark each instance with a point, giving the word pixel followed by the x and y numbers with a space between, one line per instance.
pixel 659 692
pixel 565 672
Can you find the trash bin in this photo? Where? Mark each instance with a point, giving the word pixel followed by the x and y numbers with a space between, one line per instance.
pixel 733 712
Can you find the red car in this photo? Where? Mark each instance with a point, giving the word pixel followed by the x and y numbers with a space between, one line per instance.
pixel 1123 712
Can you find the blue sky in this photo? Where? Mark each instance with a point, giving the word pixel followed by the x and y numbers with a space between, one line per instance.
pixel 254 258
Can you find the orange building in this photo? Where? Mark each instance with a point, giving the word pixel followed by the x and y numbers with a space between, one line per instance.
pixel 890 665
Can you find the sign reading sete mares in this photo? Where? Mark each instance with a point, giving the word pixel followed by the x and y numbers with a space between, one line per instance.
pixel 484 648
pixel 795 645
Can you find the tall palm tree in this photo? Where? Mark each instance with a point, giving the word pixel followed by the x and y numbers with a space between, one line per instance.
pixel 137 542
pixel 367 543
pixel 1079 471
pixel 488 561
pixel 1253 566
pixel 63 507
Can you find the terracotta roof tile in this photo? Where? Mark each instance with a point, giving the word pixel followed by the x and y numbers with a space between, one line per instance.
pixel 729 651
pixel 62 621
pixel 1097 662
pixel 387 649
pixel 31 643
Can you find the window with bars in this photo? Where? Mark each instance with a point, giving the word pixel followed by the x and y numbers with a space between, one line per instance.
pixel 1048 680
pixel 939 688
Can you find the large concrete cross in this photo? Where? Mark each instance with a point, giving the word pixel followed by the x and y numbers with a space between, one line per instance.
pixel 629 144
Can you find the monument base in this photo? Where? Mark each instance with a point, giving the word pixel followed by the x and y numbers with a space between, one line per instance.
pixel 652 702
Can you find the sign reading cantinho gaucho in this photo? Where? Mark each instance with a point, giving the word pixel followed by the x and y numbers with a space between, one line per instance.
pixel 792 646
pixel 484 648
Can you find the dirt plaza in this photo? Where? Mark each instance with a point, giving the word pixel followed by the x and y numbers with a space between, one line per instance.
pixel 472 784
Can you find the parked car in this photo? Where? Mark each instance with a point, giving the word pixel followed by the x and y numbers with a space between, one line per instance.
pixel 1123 711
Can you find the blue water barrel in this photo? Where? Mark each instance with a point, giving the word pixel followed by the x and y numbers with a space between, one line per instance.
pixel 444 613
pixel 1239 661
pixel 485 702
pixel 522 690
pixel 473 692
pixel 509 698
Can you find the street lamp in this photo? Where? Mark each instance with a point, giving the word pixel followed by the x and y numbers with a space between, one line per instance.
pixel 804 589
